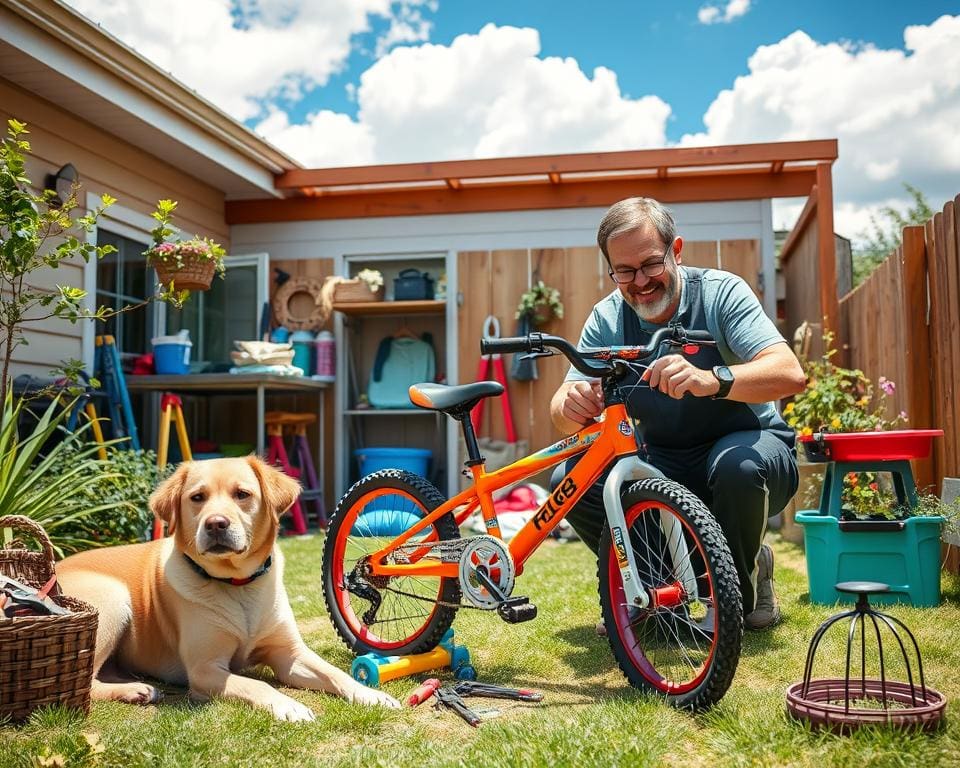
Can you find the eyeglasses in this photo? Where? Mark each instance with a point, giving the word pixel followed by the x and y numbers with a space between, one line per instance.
pixel 653 268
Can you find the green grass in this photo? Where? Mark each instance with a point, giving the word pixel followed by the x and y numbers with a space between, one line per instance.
pixel 589 715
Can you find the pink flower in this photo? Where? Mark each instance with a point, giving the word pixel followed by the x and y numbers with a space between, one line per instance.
pixel 887 386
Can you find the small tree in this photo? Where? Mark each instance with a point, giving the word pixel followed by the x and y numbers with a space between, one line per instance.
pixel 37 232
pixel 886 235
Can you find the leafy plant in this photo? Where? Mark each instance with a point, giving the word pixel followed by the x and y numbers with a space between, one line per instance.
pixel 125 482
pixel 540 303
pixel 36 482
pixel 170 249
pixel 28 222
pixel 886 234
pixel 840 399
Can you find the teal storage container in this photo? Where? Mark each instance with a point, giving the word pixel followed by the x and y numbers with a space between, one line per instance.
pixel 389 515
pixel 902 553
pixel 411 459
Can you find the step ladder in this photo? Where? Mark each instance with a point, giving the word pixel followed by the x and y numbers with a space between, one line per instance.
pixel 171 410
pixel 106 367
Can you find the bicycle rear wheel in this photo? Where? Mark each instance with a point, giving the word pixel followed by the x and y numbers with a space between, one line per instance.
pixel 685 645
pixel 383 614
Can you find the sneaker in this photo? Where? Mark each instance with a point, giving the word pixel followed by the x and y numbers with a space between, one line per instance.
pixel 766 612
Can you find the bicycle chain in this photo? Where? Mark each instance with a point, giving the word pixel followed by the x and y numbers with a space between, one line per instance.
pixel 450 551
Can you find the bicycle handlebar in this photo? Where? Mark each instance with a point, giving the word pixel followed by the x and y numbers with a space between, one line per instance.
pixel 587 361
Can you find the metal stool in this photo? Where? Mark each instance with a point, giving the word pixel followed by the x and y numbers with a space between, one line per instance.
pixel 840 703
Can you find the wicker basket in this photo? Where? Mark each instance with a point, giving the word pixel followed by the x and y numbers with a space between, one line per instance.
pixel 347 291
pixel 43 659
pixel 195 274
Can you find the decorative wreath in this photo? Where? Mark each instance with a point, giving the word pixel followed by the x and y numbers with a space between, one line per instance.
pixel 282 304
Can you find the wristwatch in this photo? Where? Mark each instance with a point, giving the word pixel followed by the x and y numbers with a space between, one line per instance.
pixel 725 376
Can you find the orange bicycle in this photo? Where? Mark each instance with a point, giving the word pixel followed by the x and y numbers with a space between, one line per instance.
pixel 669 593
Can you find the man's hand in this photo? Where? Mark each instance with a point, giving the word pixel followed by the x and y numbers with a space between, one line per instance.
pixel 583 402
pixel 674 375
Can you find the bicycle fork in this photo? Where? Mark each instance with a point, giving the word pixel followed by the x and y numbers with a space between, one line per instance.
pixel 624 470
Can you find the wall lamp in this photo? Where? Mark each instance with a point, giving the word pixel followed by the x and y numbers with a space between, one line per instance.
pixel 62 182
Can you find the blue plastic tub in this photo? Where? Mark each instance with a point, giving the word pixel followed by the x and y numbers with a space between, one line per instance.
pixel 389 515
pixel 411 459
pixel 171 355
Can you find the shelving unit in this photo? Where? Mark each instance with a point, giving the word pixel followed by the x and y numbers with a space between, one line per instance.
pixel 359 328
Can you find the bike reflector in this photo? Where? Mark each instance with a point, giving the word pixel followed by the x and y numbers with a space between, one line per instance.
pixel 691 349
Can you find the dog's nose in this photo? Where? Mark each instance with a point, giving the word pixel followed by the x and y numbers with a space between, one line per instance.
pixel 216 523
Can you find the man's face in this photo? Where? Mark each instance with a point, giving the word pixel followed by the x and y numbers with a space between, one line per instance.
pixel 654 298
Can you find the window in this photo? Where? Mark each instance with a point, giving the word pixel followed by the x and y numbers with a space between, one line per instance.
pixel 123 280
pixel 230 311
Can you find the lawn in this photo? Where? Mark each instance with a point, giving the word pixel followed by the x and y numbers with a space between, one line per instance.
pixel 589 716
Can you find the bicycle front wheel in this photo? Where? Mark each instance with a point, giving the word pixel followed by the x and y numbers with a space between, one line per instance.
pixel 385 614
pixel 685 645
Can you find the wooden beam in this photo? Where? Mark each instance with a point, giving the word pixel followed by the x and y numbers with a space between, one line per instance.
pixel 554 178
pixel 829 303
pixel 454 183
pixel 530 196
pixel 735 154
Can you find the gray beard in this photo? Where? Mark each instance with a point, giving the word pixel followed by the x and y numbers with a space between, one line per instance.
pixel 650 312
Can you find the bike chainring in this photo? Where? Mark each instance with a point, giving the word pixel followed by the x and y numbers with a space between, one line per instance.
pixel 492 555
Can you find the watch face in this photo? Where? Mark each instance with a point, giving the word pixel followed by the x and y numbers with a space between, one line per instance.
pixel 724 374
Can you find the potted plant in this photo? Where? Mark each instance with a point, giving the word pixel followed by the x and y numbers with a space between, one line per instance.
pixel 182 265
pixel 835 400
pixel 541 304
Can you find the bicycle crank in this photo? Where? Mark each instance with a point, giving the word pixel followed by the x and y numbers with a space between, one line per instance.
pixel 487 578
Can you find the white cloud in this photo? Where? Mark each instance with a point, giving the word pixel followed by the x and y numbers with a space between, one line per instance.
pixel 712 14
pixel 241 54
pixel 894 112
pixel 406 26
pixel 327 139
pixel 490 95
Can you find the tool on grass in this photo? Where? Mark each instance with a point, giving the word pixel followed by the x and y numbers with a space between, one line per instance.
pixel 451 697
pixel 422 692
pixel 372 669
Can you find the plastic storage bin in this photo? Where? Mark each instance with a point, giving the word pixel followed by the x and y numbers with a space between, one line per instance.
pixel 389 515
pixel 171 355
pixel 411 459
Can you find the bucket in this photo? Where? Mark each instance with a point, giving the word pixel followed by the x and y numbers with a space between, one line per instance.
pixel 302 351
pixel 171 355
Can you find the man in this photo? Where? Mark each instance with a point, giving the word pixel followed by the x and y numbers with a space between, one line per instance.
pixel 708 420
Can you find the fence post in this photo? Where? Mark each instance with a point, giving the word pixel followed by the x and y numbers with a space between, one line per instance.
pixel 913 293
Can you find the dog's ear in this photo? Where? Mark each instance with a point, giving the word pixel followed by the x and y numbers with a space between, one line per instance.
pixel 278 489
pixel 165 500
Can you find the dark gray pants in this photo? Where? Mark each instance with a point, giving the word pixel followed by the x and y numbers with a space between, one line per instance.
pixel 743 478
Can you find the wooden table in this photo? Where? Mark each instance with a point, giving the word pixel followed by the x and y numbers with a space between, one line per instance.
pixel 227 383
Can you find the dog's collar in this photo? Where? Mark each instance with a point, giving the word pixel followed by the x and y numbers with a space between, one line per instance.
pixel 235 582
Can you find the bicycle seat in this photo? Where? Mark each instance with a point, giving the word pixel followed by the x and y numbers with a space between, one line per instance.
pixel 452 400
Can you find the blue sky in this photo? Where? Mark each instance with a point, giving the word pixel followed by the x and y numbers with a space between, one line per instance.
pixel 355 82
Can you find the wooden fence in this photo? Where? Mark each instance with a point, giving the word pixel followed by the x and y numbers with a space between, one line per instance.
pixel 903 322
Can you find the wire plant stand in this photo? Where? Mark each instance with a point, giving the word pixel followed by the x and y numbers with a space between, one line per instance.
pixel 847 703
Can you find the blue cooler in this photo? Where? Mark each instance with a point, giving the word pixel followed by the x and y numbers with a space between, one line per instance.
pixel 389 515
pixel 171 355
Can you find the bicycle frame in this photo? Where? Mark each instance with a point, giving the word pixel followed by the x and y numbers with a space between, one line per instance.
pixel 609 442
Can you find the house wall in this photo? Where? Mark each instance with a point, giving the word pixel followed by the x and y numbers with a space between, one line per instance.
pixel 105 165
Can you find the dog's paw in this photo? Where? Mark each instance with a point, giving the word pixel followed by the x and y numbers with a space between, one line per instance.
pixel 371 697
pixel 291 711
pixel 129 693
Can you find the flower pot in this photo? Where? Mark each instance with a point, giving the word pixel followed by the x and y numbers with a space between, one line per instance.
pixel 195 274
pixel 806 497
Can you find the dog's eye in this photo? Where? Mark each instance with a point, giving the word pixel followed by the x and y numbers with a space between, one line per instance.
pixel 197 497
pixel 241 494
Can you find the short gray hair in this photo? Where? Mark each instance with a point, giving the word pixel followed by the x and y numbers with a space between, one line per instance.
pixel 635 213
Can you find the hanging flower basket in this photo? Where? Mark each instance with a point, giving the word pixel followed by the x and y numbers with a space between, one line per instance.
pixel 541 304
pixel 187 265
pixel 193 274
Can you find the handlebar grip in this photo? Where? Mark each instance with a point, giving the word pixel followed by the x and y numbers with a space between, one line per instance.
pixel 508 344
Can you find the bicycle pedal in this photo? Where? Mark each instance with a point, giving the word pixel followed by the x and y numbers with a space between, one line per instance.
pixel 517 609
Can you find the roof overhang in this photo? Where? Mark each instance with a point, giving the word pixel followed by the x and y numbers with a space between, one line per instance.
pixel 52 51
pixel 732 172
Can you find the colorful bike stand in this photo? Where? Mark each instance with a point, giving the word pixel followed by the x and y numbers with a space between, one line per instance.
pixel 372 669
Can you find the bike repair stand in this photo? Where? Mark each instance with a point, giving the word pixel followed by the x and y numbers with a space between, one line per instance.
pixel 372 669
pixel 171 409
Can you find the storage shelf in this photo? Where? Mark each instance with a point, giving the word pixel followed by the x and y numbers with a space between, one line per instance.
pixel 425 307
pixel 389 412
